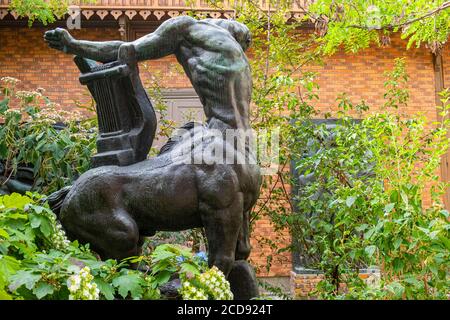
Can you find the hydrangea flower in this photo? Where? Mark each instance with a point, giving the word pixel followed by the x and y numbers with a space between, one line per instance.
pixel 208 285
pixel 202 256
pixel 180 259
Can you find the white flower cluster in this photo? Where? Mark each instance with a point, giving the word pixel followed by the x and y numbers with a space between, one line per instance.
pixel 58 237
pixel 373 280
pixel 213 285
pixel 190 292
pixel 52 112
pixel 25 95
pixel 9 80
pixel 81 286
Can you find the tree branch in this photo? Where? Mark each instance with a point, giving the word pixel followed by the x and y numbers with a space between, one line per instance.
pixel 442 7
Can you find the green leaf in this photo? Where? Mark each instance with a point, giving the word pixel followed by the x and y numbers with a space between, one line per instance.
pixel 394 196
pixel 433 234
pixel 188 267
pixel 397 243
pixel 17 216
pixel 43 289
pixel 445 241
pixel 4 105
pixel 361 227
pixel 8 266
pixel 105 288
pixel 3 150
pixel 162 277
pixel 41 222
pixel 412 280
pixel 22 277
pixel 396 288
pixel 37 209
pixel 4 295
pixel 350 201
pixel 404 197
pixel 445 213
pixel 35 220
pixel 398 264
pixel 434 269
pixel 129 283
pixel 15 200
pixel 370 250
pixel 3 233
pixel 162 255
pixel 388 208
pixel 370 233
pixel 46 227
pixel 161 265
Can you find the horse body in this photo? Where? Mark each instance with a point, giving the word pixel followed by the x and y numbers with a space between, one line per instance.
pixel 113 207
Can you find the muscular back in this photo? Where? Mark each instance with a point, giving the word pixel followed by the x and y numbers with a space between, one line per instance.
pixel 219 71
pixel 214 62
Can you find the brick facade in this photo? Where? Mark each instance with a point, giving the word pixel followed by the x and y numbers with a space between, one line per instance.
pixel 362 76
pixel 24 55
pixel 446 62
pixel 303 285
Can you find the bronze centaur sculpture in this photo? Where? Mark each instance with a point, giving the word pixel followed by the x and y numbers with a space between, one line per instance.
pixel 113 207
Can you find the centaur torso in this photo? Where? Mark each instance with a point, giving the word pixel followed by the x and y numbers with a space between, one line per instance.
pixel 219 72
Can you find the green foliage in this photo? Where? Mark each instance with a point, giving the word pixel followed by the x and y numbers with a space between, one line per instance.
pixel 43 11
pixel 38 262
pixel 357 24
pixel 165 124
pixel 28 138
pixel 198 282
pixel 272 291
pixel 27 230
pixel 34 265
pixel 351 25
pixel 168 259
pixel 364 203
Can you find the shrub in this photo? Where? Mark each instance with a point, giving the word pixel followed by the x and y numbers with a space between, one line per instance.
pixel 29 138
pixel 38 262
pixel 364 204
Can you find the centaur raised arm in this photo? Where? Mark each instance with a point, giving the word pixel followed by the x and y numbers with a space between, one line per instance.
pixel 164 41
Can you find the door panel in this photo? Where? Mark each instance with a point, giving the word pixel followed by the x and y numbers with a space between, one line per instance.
pixel 183 105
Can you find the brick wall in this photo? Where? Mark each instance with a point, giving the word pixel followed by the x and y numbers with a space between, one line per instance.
pixel 361 75
pixel 446 63
pixel 24 55
pixel 303 285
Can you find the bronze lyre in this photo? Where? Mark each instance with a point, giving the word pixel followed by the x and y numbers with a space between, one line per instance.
pixel 126 118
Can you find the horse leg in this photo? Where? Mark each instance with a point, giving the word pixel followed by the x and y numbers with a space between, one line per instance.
pixel 112 233
pixel 222 229
pixel 242 277
pixel 243 243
